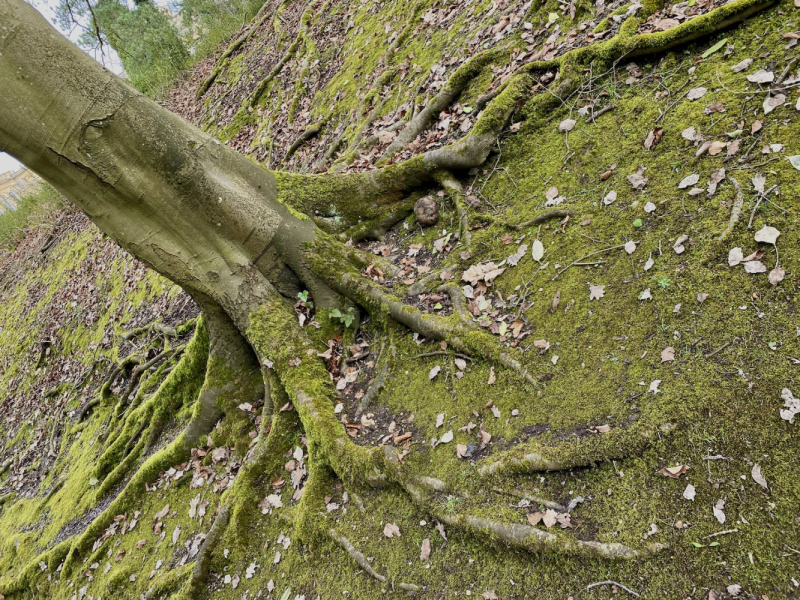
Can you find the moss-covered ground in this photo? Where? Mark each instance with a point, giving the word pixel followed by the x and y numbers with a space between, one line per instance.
pixel 716 409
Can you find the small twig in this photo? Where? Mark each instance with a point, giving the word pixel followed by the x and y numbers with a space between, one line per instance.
pixel 556 213
pixel 727 531
pixel 761 196
pixel 718 350
pixel 616 583
pixel 602 111
pixel 588 256
pixel 785 72
pixel 736 210
pixel 445 353
pixel 716 457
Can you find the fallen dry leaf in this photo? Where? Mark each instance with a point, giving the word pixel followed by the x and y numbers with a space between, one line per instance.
pixel 755 266
pixel 689 181
pixel 767 235
pixel 718 512
pixel 667 354
pixel 425 554
pixel 567 125
pixel 689 493
pixel 716 147
pixel 758 477
pixel 741 66
pixel 696 93
pixel 674 472
pixel 761 76
pixel 596 292
pixel 653 138
pixel 776 275
pixel 735 256
pixel 391 530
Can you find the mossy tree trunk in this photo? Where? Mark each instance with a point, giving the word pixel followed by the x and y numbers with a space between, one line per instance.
pixel 235 237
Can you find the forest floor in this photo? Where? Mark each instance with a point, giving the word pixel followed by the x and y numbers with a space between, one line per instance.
pixel 638 306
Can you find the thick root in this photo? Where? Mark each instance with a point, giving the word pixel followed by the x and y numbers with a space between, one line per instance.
pixel 533 458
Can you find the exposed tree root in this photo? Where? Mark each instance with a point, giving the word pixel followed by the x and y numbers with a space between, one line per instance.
pixel 380 380
pixel 362 561
pixel 525 537
pixel 290 53
pixel 224 59
pixel 166 330
pixel 310 132
pixel 533 458
pixel 449 92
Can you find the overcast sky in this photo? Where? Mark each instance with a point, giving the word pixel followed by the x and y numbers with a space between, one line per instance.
pixel 46 7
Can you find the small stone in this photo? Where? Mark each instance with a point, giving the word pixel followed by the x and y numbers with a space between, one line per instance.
pixel 427 211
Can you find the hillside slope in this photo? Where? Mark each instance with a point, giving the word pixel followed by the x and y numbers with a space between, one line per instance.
pixel 660 343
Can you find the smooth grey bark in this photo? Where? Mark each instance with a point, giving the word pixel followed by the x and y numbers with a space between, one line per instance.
pixel 192 209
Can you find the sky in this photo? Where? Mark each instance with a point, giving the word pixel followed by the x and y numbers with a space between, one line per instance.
pixel 46 7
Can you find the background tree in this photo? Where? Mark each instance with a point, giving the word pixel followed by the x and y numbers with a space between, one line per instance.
pixel 143 36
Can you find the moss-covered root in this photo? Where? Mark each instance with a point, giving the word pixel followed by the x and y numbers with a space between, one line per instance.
pixel 736 210
pixel 27 578
pixel 239 503
pixel 194 587
pixel 455 85
pixel 423 490
pixel 534 458
pixel 179 388
pixel 275 334
pixel 455 330
pixel 231 373
pixel 308 133
pixel 381 379
pixel 222 62
pixel 362 561
pixel 167 583
pixel 455 191
pixel 291 51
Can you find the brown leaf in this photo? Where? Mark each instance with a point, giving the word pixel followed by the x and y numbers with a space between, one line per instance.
pixel 667 354
pixel 653 138
pixel 492 376
pixel 425 554
pixel 776 275
pixel 674 472
pixel 554 303
pixel 716 147
pixel 535 518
